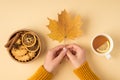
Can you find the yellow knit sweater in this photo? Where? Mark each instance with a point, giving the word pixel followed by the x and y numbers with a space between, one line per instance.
pixel 83 72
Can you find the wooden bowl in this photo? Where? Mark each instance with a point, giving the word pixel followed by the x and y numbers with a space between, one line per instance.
pixel 11 46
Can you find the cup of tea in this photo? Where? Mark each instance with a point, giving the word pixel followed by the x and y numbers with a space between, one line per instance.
pixel 102 44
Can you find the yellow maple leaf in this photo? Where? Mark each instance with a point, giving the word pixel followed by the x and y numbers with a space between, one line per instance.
pixel 67 27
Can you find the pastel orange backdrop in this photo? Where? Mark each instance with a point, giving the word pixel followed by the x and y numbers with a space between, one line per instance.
pixel 101 16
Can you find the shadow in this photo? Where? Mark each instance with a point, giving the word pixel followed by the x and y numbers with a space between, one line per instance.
pixel 116 49
pixel 44 43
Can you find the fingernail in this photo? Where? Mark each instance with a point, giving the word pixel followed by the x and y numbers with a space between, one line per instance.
pixel 64 49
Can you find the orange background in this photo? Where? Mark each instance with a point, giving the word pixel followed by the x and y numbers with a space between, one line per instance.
pixel 101 16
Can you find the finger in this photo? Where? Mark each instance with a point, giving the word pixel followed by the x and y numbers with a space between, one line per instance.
pixel 54 50
pixel 62 54
pixel 70 56
pixel 74 47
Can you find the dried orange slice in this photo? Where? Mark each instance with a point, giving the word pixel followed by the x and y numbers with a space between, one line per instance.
pixel 28 39
pixel 33 48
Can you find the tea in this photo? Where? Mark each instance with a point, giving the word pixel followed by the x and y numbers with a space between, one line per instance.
pixel 101 44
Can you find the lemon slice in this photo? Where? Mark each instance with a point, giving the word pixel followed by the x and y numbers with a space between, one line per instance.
pixel 104 47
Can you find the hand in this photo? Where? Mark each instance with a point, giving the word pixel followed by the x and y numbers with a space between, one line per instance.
pixel 76 55
pixel 54 57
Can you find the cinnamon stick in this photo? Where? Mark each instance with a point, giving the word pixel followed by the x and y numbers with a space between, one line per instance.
pixel 14 40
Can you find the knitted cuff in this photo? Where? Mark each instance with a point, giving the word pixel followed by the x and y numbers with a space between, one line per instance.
pixel 84 72
pixel 41 74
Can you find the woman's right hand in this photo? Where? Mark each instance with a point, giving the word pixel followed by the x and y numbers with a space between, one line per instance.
pixel 54 58
pixel 76 55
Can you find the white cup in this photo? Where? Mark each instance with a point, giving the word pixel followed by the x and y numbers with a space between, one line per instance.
pixel 106 54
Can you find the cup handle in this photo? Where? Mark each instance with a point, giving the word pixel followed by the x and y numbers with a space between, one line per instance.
pixel 108 56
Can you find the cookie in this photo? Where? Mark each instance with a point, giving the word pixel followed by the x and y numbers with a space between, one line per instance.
pixel 21 51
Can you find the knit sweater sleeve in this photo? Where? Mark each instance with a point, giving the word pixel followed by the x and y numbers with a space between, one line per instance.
pixel 85 73
pixel 41 74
